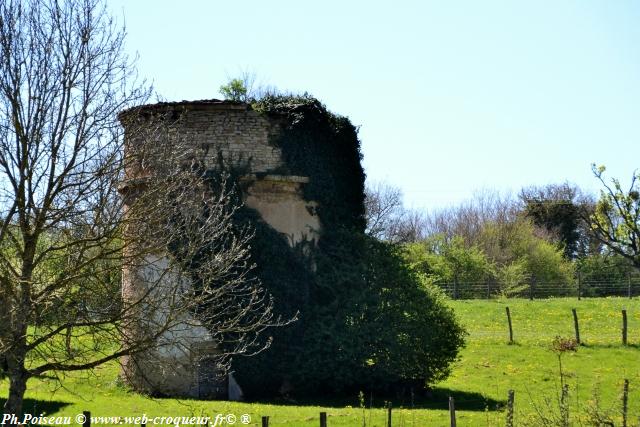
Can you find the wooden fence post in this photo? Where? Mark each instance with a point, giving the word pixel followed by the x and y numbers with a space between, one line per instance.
pixel 87 419
pixel 510 327
pixel 579 286
pixel 510 408
pixel 564 405
pixel 629 284
pixel 575 324
pixel 625 402
pixel 389 415
pixel 452 411
pixel 624 327
pixel 323 419
pixel 265 421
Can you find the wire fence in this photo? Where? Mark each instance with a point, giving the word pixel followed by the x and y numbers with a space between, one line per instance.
pixel 628 287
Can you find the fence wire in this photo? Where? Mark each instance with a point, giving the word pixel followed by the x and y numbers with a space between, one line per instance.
pixel 629 288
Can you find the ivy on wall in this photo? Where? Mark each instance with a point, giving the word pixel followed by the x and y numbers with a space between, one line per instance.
pixel 324 147
pixel 365 320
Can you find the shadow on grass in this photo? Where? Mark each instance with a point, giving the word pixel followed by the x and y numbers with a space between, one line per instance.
pixel 37 407
pixel 435 398
pixel 464 401
pixel 609 346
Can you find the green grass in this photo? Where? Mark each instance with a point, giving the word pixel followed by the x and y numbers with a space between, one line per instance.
pixel 488 367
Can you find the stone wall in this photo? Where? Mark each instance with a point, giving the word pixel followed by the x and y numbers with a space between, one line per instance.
pixel 242 137
pixel 214 127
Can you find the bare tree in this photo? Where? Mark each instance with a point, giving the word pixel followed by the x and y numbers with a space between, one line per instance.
pixel 66 232
pixel 468 218
pixel 383 208
pixel 560 209
pixel 410 227
pixel 387 218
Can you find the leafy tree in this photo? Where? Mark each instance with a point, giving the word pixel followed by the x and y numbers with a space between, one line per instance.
pixel 517 246
pixel 425 337
pixel 509 255
pixel 616 220
pixel 513 278
pixel 370 322
pixel 601 274
pixel 450 262
pixel 559 209
pixel 245 89
pixel 235 90
pixel 393 330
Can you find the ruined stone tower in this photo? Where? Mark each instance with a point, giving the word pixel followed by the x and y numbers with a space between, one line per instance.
pixel 236 133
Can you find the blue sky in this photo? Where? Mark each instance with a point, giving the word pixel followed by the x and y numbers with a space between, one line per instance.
pixel 450 96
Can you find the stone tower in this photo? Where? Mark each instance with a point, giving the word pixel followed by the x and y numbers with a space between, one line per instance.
pixel 236 133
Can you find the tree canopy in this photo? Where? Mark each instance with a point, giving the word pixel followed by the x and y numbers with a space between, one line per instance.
pixel 616 220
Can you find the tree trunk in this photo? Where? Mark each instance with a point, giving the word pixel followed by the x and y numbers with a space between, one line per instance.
pixel 14 358
pixel 17 387
pixel 16 354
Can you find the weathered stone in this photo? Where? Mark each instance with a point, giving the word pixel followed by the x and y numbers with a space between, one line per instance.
pixel 241 136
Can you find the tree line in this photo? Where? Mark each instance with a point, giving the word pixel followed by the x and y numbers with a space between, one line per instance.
pixel 552 235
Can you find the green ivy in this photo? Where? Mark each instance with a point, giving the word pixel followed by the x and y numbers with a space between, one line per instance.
pixel 365 321
pixel 325 148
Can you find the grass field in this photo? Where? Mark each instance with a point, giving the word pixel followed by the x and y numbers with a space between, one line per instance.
pixel 488 367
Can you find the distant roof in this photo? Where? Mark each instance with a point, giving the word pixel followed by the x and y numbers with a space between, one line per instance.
pixel 185 104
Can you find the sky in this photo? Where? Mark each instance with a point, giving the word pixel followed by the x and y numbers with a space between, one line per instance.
pixel 450 97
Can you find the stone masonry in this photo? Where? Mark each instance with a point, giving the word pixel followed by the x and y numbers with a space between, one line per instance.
pixel 241 136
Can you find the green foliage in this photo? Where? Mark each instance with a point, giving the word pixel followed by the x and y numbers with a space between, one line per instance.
pixel 235 90
pixel 509 255
pixel 616 220
pixel 324 147
pixel 389 328
pixel 604 268
pixel 450 262
pixel 601 273
pixel 557 209
pixel 513 278
pixel 285 272
pixel 365 320
pixel 536 257
pixel 425 337
pixel 94 288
